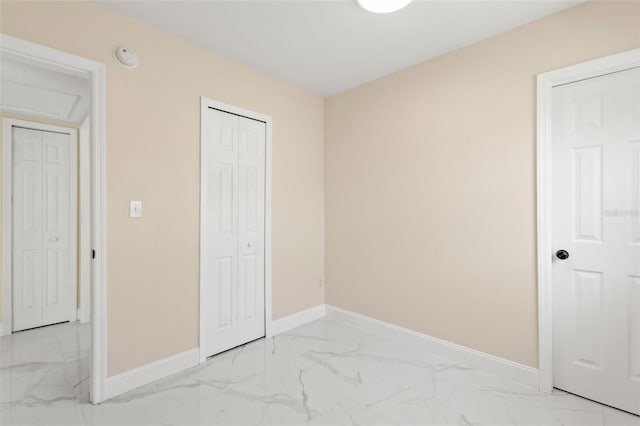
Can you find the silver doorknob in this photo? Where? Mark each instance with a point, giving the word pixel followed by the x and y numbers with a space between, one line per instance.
pixel 54 239
pixel 249 245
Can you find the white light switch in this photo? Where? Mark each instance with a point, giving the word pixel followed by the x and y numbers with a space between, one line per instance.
pixel 135 208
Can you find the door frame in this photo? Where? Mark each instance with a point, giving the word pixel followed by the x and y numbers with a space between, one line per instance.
pixel 96 73
pixel 84 219
pixel 205 103
pixel 7 215
pixel 545 83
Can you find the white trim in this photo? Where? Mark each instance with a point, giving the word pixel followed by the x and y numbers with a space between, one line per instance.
pixel 268 295
pixel 96 73
pixel 204 104
pixel 514 371
pixel 7 216
pixel 137 377
pixel 84 157
pixel 284 324
pixel 73 219
pixel 99 233
pixel 7 244
pixel 7 240
pixel 545 84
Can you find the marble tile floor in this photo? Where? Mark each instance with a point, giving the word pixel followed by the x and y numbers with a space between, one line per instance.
pixel 42 369
pixel 329 372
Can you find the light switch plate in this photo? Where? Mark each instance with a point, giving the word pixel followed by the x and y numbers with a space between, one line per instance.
pixel 135 208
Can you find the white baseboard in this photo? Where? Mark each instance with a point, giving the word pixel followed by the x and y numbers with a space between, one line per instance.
pixel 292 321
pixel 132 379
pixel 514 371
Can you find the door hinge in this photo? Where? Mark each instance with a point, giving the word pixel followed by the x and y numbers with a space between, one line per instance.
pixel 93 254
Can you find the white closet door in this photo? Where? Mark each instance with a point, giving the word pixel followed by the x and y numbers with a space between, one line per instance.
pixel 596 199
pixel 232 230
pixel 28 234
pixel 251 230
pixel 57 215
pixel 41 226
pixel 219 231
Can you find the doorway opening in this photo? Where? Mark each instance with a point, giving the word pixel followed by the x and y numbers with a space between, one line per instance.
pixel 53 214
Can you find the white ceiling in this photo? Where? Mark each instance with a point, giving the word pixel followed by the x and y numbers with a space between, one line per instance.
pixel 39 91
pixel 329 46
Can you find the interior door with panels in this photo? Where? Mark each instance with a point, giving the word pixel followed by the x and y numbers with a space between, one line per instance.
pixel 251 229
pixel 220 229
pixel 41 212
pixel 596 239
pixel 232 230
pixel 28 235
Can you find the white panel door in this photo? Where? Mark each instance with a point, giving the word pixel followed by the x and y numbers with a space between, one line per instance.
pixel 41 228
pixel 596 220
pixel 251 203
pixel 232 230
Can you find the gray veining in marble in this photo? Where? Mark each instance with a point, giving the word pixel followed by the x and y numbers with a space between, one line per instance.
pixel 329 372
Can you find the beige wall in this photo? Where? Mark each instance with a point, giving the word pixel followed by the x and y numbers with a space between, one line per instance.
pixel 54 123
pixel 430 178
pixel 430 183
pixel 153 124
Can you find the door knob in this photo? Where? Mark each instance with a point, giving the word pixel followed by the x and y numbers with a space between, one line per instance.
pixel 249 245
pixel 562 254
pixel 54 239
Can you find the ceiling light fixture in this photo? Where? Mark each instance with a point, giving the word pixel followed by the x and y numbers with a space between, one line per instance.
pixel 383 6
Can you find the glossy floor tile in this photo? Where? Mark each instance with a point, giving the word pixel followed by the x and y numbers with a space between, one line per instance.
pixel 329 372
pixel 44 375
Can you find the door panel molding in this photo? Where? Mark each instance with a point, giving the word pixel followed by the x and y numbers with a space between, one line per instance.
pixel 545 83
pixel 205 104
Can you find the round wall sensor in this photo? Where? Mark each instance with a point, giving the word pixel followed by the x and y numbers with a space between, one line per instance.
pixel 127 57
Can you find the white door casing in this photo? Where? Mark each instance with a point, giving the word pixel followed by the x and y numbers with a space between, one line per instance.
pixel 596 200
pixel 96 175
pixel 233 238
pixel 84 223
pixel 44 285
